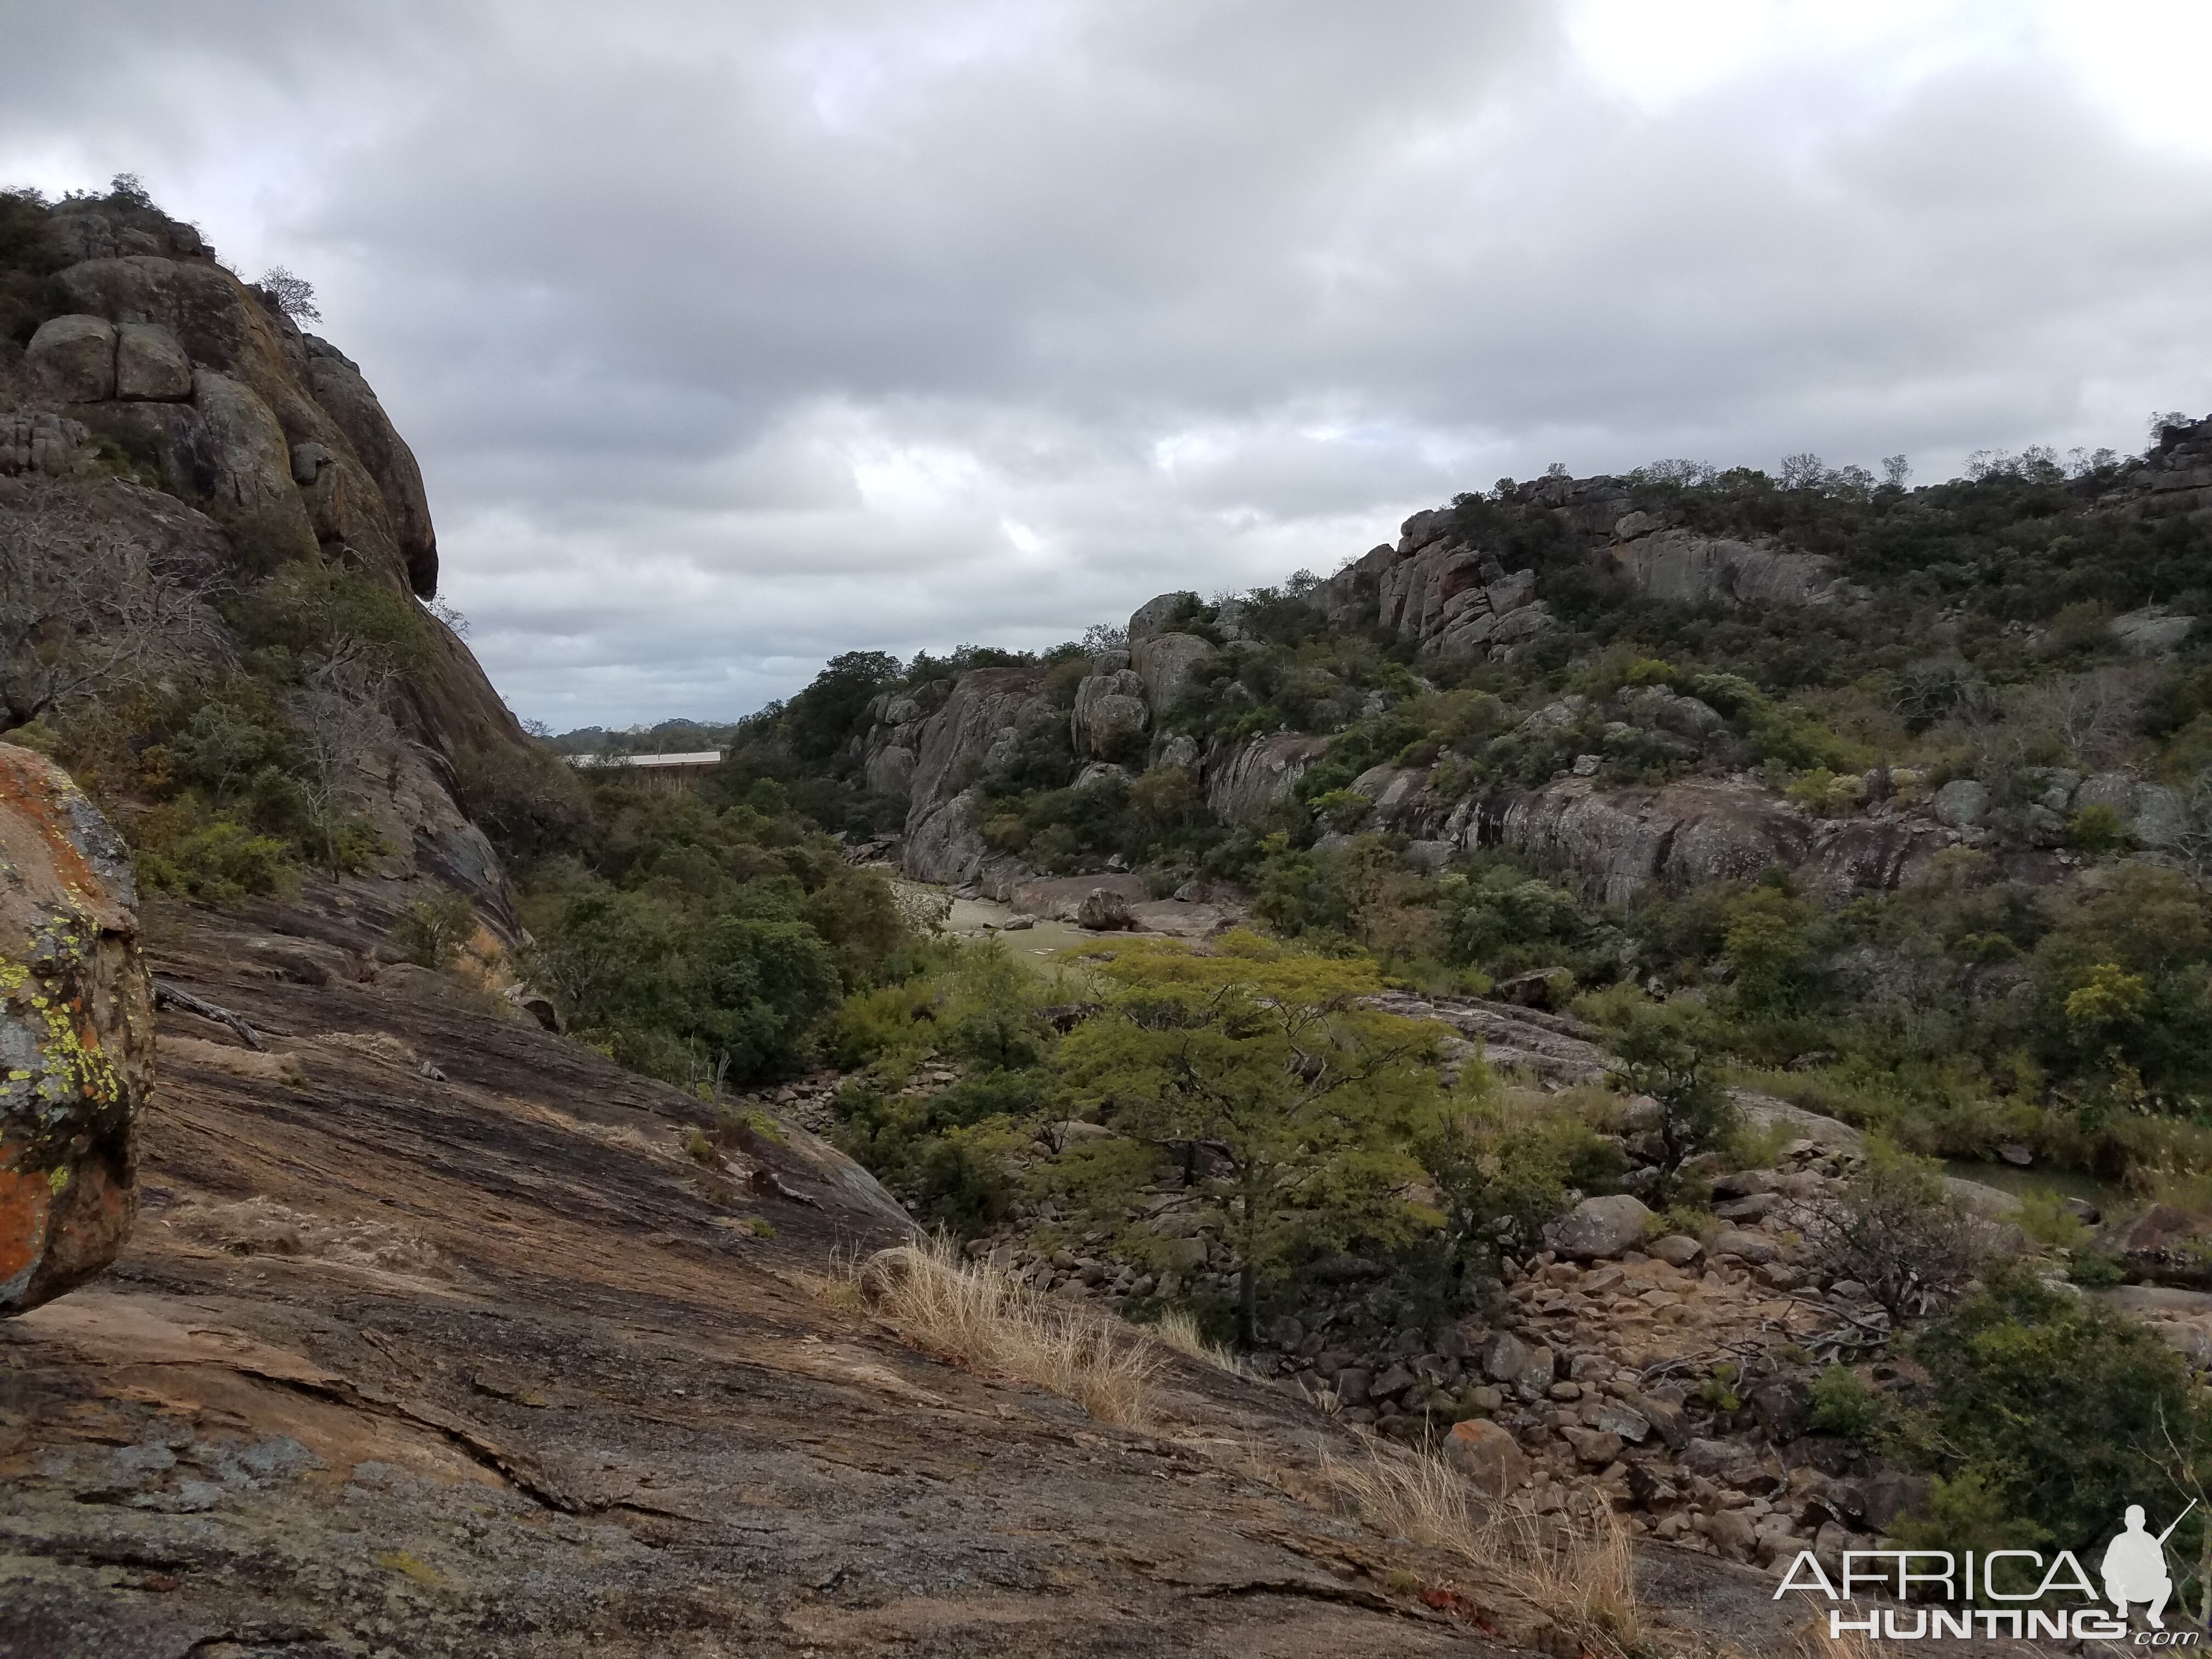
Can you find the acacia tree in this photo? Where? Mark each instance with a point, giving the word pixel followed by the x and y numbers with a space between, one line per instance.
pixel 1271 1064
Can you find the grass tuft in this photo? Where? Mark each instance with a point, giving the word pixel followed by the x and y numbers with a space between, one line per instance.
pixel 977 1313
pixel 1178 1330
pixel 1584 1579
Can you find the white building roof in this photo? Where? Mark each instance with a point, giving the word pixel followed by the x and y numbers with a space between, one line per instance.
pixel 698 757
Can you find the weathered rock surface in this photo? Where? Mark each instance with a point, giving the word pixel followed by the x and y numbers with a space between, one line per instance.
pixel 35 441
pixel 1254 777
pixel 1488 1456
pixel 1962 803
pixel 1431 587
pixel 150 365
pixel 2152 631
pixel 1167 666
pixel 1102 910
pixel 76 1035
pixel 1109 713
pixel 1683 567
pixel 1155 614
pixel 1695 830
pixel 225 390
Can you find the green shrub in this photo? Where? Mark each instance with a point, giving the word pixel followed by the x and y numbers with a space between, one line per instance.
pixel 1845 1403
pixel 2044 1218
pixel 2095 1270
pixel 303 614
pixel 211 857
pixel 946 1155
pixel 431 932
pixel 2060 1411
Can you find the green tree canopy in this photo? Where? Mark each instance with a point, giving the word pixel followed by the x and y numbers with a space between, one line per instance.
pixel 1270 1065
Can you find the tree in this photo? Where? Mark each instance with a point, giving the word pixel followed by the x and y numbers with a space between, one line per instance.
pixel 338 714
pixel 1766 946
pixel 2060 1411
pixel 1500 1178
pixel 87 608
pixel 1270 1065
pixel 294 295
pixel 817 721
pixel 1668 1052
pixel 1896 1230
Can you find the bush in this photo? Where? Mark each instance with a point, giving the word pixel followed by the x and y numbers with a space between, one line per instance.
pixel 211 857
pixel 2044 1218
pixel 944 1154
pixel 432 931
pixel 2098 829
pixel 1895 1229
pixel 528 801
pixel 1845 1403
pixel 873 1025
pixel 1669 1053
pixel 2060 1413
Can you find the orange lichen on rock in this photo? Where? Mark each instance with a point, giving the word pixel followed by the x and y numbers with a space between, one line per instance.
pixel 75 1035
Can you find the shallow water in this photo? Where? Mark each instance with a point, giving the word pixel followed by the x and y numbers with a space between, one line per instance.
pixel 2038 1178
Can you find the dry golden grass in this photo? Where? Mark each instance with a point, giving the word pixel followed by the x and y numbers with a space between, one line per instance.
pixel 1406 1494
pixel 1179 1330
pixel 1584 1579
pixel 977 1313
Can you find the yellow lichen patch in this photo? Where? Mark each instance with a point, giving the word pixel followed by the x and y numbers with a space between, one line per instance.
pixel 413 1567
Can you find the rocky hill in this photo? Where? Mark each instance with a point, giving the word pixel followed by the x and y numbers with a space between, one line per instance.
pixel 1657 784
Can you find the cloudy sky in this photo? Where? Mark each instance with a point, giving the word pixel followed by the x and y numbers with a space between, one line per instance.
pixel 732 335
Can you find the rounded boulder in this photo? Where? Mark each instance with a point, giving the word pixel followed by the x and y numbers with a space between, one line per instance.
pixel 77 1035
pixel 1600 1227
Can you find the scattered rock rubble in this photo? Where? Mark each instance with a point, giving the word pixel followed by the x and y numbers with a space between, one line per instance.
pixel 1666 1378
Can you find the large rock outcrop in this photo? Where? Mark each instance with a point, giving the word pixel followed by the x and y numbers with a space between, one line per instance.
pixel 77 1035
pixel 930 747
pixel 1681 567
pixel 270 449
pixel 1110 713
pixel 1435 587
pixel 1247 782
pixel 274 430
pixel 1167 666
pixel 1622 841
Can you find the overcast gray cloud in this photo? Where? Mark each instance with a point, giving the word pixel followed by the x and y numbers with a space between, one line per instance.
pixel 730 336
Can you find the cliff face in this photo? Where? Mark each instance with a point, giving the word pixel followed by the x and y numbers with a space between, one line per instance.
pixel 167 415
pixel 272 431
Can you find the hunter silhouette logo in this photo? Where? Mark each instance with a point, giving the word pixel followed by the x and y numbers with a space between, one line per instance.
pixel 2134 1567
